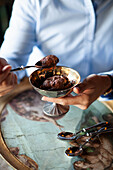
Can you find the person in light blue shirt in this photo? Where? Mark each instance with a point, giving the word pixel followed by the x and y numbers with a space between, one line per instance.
pixel 78 32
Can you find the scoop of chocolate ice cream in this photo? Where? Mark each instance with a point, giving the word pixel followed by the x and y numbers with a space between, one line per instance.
pixel 48 61
pixel 57 82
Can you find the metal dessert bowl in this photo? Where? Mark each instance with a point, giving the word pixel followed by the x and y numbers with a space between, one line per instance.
pixel 38 76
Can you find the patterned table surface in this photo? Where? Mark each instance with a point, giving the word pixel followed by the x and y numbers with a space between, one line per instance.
pixel 27 131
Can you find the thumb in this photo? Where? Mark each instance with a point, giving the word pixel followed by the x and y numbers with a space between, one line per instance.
pixel 79 88
pixel 6 67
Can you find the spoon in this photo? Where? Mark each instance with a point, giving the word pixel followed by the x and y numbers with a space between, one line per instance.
pixel 72 136
pixel 47 61
pixel 75 151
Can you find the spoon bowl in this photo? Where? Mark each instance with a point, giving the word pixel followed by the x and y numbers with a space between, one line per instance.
pixel 74 151
pixel 66 135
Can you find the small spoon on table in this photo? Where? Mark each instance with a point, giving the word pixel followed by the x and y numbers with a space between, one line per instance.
pixel 76 151
pixel 47 61
pixel 73 136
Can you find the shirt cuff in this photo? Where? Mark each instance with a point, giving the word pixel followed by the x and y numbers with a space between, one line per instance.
pixel 110 75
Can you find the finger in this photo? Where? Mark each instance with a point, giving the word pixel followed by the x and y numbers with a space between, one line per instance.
pixel 76 90
pixel 4 91
pixel 5 72
pixel 3 63
pixel 81 87
pixel 63 100
pixel 10 80
pixel 81 100
pixel 8 86
pixel 15 79
pixel 6 67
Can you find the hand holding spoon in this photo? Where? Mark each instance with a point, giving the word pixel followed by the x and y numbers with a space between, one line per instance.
pixel 48 61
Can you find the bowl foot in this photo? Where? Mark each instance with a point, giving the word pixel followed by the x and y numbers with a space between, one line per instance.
pixel 54 110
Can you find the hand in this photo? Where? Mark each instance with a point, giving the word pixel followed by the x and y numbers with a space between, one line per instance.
pixel 7 79
pixel 88 91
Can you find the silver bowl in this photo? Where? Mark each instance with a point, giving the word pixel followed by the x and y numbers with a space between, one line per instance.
pixel 37 78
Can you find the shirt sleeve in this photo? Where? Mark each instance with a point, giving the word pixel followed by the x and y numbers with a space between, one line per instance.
pixel 20 37
pixel 107 73
pixel 108 96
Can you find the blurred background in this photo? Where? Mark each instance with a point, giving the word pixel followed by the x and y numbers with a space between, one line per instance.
pixel 5 13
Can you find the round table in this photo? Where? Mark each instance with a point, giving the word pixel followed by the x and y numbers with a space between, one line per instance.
pixel 28 132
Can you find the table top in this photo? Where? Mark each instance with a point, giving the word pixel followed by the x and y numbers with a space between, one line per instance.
pixel 28 138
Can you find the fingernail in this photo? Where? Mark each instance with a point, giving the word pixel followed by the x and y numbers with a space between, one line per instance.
pixel 77 85
pixel 5 68
pixel 42 98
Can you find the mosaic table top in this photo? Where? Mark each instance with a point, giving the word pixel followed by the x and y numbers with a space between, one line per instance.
pixel 29 138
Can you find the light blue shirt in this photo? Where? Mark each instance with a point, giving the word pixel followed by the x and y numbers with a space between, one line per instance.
pixel 78 32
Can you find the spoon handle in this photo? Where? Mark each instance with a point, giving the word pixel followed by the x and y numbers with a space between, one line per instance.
pixel 101 124
pixel 95 134
pixel 21 68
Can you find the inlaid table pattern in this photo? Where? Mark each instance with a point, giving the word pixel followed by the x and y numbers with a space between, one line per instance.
pixel 28 137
